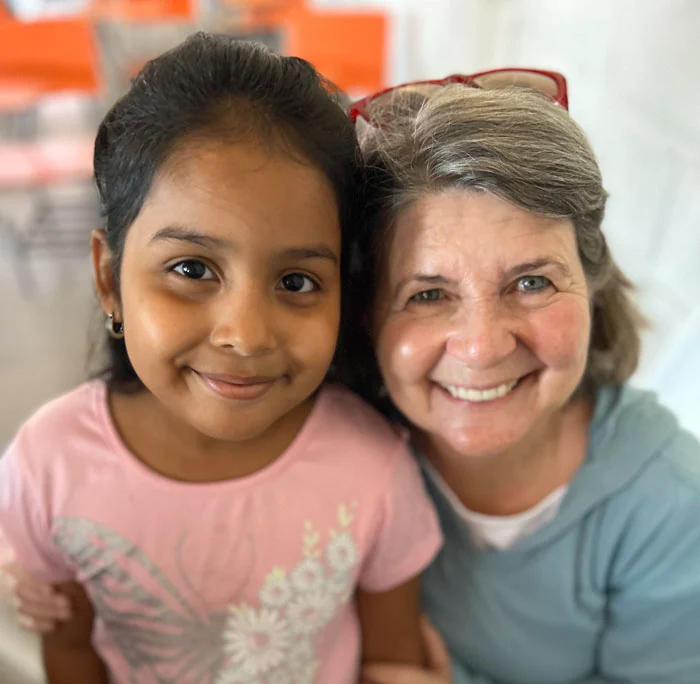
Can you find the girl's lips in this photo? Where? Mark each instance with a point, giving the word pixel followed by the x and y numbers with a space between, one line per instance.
pixel 236 388
pixel 237 379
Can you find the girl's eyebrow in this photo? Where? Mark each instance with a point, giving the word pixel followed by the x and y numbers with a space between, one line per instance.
pixel 189 235
pixel 319 251
pixel 185 234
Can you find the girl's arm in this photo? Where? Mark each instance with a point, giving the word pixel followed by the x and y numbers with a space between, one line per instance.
pixel 405 539
pixel 438 669
pixel 391 625
pixel 69 656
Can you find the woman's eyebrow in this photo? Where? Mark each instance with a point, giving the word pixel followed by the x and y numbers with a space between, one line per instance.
pixel 536 264
pixel 427 278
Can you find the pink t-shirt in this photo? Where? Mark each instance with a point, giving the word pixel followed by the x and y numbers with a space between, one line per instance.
pixel 248 580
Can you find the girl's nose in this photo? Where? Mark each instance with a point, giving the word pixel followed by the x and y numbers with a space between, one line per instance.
pixel 245 324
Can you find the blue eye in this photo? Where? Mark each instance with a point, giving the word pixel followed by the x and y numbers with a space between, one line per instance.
pixel 533 283
pixel 428 296
pixel 298 283
pixel 193 270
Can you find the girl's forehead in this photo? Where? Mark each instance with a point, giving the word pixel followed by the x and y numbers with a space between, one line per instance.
pixel 236 171
pixel 245 163
pixel 230 190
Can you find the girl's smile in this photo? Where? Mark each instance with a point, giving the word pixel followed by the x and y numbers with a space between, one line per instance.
pixel 236 388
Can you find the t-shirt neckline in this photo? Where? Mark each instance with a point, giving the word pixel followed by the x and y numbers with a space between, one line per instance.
pixel 140 469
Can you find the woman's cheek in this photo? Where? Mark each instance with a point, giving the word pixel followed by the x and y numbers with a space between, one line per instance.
pixel 407 350
pixel 561 333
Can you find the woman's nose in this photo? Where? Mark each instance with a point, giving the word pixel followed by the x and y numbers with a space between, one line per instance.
pixel 244 323
pixel 482 336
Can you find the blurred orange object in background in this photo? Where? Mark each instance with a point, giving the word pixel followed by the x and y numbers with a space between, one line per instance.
pixel 349 48
pixel 48 56
pixel 136 11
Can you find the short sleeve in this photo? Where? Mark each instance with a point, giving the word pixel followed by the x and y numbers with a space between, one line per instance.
pixel 408 534
pixel 24 522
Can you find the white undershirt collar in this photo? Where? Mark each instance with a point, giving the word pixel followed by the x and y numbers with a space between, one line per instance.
pixel 500 531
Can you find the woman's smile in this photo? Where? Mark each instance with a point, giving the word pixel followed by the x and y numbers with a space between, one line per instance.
pixel 478 394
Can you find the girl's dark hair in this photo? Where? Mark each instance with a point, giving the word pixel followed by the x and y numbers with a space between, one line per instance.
pixel 218 88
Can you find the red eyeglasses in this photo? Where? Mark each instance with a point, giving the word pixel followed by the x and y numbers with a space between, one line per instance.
pixel 551 83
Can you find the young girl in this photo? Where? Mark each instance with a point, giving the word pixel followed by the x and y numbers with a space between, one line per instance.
pixel 215 513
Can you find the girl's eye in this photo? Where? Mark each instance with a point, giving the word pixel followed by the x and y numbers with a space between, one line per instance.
pixel 428 296
pixel 298 283
pixel 533 283
pixel 194 270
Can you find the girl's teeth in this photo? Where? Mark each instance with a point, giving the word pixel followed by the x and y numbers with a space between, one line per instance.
pixel 480 395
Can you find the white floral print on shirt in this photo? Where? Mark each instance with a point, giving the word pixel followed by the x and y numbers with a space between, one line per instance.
pixel 275 643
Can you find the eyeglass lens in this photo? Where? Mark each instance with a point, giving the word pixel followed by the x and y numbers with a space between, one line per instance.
pixel 519 79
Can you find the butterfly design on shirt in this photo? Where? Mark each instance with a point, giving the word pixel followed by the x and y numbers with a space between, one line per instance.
pixel 166 639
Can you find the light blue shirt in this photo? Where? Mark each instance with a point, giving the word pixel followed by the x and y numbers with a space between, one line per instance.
pixel 609 591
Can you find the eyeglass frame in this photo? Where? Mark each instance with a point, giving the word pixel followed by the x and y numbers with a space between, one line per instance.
pixel 359 108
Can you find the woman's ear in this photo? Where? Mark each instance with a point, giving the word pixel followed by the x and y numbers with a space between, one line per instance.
pixel 103 273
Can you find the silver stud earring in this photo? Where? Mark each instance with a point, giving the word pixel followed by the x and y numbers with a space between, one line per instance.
pixel 114 328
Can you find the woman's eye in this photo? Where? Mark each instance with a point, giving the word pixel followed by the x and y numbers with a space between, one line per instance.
pixel 428 296
pixel 194 270
pixel 533 283
pixel 298 283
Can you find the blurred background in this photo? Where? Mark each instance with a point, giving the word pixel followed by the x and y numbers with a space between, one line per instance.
pixel 633 68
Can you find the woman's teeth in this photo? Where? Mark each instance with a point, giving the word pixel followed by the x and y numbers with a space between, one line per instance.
pixel 476 395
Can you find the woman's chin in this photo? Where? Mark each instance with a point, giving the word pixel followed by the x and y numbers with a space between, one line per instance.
pixel 479 444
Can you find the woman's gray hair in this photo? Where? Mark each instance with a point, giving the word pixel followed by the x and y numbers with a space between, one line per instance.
pixel 517 145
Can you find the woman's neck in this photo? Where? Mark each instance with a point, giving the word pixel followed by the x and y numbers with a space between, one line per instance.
pixel 515 480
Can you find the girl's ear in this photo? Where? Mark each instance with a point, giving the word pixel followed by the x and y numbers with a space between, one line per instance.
pixel 103 273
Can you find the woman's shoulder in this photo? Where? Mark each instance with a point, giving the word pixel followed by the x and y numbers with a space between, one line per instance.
pixel 627 406
pixel 640 463
pixel 638 442
pixel 627 419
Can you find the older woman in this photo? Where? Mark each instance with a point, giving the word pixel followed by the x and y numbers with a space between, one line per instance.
pixel 505 335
